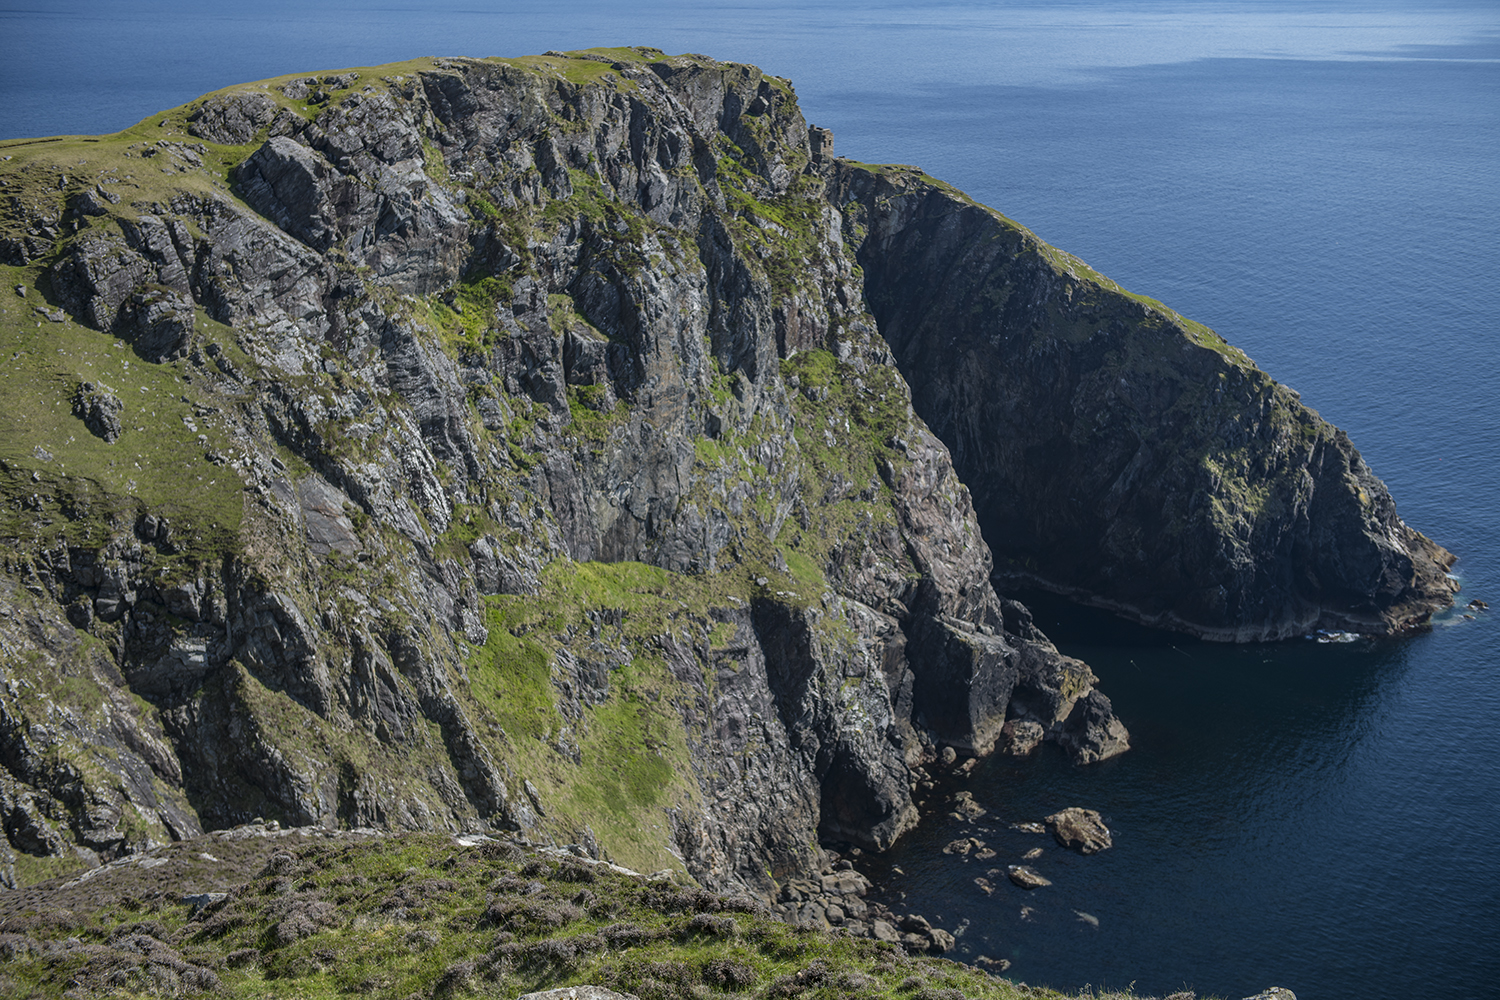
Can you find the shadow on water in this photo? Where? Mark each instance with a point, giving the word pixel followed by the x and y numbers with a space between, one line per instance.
pixel 1222 814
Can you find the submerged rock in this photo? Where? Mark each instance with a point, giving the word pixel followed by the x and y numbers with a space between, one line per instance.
pixel 1026 877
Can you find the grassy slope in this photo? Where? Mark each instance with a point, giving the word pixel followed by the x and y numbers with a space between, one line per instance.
pixel 421 916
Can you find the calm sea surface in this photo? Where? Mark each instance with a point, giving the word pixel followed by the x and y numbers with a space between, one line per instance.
pixel 1320 182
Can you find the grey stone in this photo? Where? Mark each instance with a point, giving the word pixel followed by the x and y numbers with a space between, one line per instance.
pixel 915 924
pixel 158 322
pixel 578 993
pixel 100 411
pixel 1021 736
pixel 1082 829
pixel 298 90
pixel 327 526
pixel 233 118
pixel 200 900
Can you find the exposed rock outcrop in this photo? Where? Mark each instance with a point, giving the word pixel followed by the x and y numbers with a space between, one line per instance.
pixel 1117 452
pixel 100 410
pixel 548 468
pixel 1026 876
pixel 1080 828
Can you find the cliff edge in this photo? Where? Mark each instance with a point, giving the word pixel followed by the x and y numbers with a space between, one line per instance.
pixel 499 444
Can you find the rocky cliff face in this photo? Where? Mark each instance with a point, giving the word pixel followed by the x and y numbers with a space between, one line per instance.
pixel 507 443
pixel 1118 452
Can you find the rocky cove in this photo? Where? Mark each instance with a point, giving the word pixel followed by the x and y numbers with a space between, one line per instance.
pixel 574 446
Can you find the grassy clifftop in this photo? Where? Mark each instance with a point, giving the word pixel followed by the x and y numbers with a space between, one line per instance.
pixel 310 914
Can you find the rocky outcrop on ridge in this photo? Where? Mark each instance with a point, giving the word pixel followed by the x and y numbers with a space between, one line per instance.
pixel 519 444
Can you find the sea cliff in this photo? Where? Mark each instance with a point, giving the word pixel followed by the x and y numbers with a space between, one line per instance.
pixel 574 446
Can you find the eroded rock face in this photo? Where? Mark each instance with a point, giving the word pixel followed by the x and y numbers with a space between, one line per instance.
pixel 581 492
pixel 1119 453
pixel 232 118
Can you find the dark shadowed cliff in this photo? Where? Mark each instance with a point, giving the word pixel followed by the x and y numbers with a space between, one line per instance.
pixel 1117 452
pixel 562 444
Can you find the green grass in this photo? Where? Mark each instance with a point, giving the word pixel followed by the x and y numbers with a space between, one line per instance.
pixel 419 916
pixel 590 423
pixel 616 766
pixel 576 69
pixel 88 489
pixel 512 675
pixel 629 772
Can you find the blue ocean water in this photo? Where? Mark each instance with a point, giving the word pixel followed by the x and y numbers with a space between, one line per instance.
pixel 1320 182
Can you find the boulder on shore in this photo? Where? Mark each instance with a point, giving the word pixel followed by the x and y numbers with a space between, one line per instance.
pixel 1020 737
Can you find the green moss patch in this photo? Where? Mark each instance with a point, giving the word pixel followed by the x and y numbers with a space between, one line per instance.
pixel 613 761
